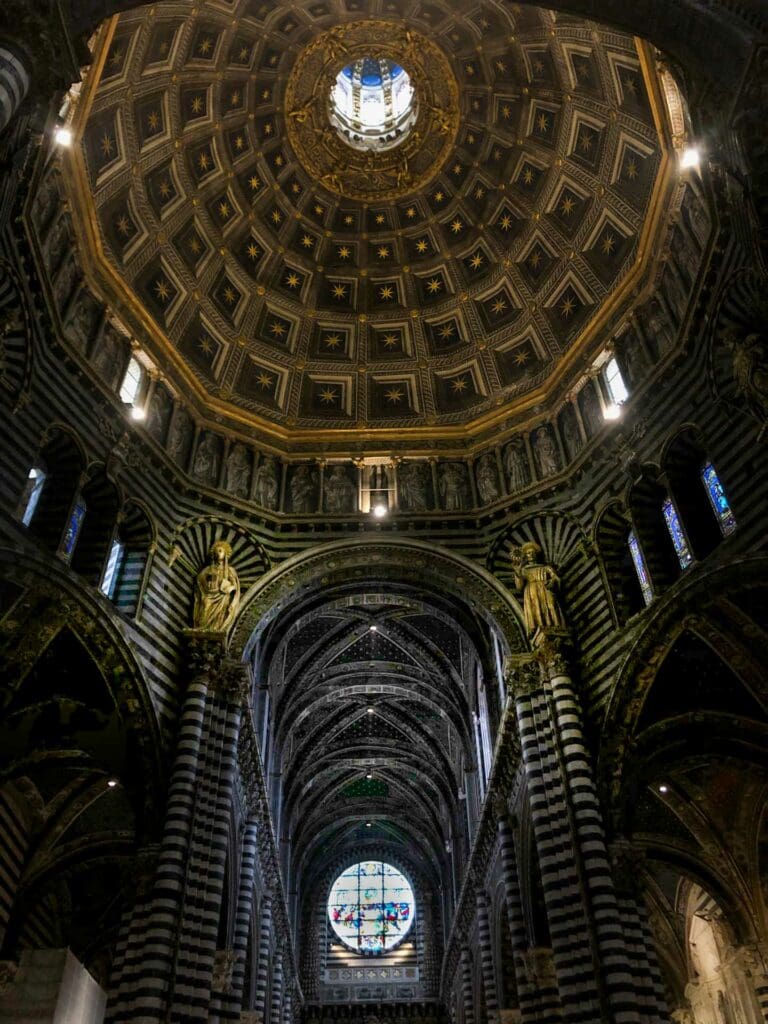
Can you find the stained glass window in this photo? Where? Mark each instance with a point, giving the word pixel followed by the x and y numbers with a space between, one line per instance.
pixel 638 560
pixel 32 492
pixel 73 529
pixel 112 571
pixel 371 907
pixel 675 528
pixel 720 505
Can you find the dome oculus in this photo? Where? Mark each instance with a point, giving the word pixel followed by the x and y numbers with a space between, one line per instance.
pixel 371 907
pixel 373 104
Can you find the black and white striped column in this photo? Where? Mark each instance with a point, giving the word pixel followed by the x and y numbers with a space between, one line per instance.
pixel 536 1003
pixel 14 82
pixel 486 958
pixel 169 976
pixel 276 989
pixel 467 993
pixel 230 1003
pixel 569 928
pixel 262 969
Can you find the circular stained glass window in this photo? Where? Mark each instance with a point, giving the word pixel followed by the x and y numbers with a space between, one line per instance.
pixel 373 104
pixel 371 907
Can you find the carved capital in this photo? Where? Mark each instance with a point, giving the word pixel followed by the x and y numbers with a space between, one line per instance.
pixel 209 665
pixel 628 864
pixel 223 967
pixel 553 649
pixel 523 675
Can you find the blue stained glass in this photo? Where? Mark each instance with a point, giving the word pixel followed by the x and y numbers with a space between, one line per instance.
pixel 371 907
pixel 720 505
pixel 675 528
pixel 73 529
pixel 641 568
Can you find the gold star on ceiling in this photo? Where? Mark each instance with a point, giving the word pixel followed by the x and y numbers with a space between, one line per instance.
pixel 239 143
pixel 276 216
pixel 521 358
pixel 279 161
pixel 479 192
pixel 535 259
pixel 394 395
pixel 307 241
pixel 203 161
pixel 268 128
pixel 567 307
pixel 446 331
pixel 439 196
pixel 542 122
pixel 328 395
pixel 106 144
pixel 383 252
pixel 386 293
pixel 243 54
pixel 505 222
pixel 343 252
pixel 608 244
pixel 631 169
pixel 123 225
pixel 630 85
pixel 457 226
pixel 501 67
pixel 538 66
pixel 434 285
pixel 277 328
pixel 528 176
pixel 164 188
pixel 116 57
pixel 585 141
pixel 476 261
pixel 197 104
pixel 225 211
pixel 264 381
pixel 506 111
pixel 459 385
pixel 410 213
pixel 498 306
pixel 204 344
pixel 253 251
pixel 205 46
pixel 390 340
pixel 567 206
pixel 339 291
pixel 194 246
pixel 162 289
pixel 349 219
pixel 380 218
pixel 153 121
pixel 332 340
pixel 254 182
pixel 292 280
pixel 296 188
pixel 229 295
pixel 422 245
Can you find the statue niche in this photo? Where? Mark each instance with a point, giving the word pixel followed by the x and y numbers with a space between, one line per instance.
pixel 539 583
pixel 217 592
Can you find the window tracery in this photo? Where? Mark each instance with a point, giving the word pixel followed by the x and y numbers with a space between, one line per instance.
pixel 371 907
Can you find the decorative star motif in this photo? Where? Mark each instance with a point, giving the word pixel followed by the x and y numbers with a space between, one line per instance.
pixel 343 252
pixel 162 289
pixel 608 244
pixel 205 46
pixel 279 160
pixel 123 225
pixel 410 213
pixel 268 129
pixel 116 57
pixel 197 104
pixel 264 381
pixel 538 66
pixel 383 252
pixel 332 341
pixel 239 143
pixel 276 216
pixel 203 161
pixel 243 53
pixel 434 285
pixel 567 307
pixel 567 206
pixel 292 279
pixel 506 111
pixel 535 259
pixel 457 226
pixel 195 246
pixel 277 328
pixel 501 67
pixel 230 295
pixel 476 261
pixel 296 188
pixel 459 385
pixel 446 331
pixel 390 340
pixel 505 222
pixel 631 169
pixel 479 192
pixel 386 293
pixel 542 123
pixel 379 218
pixel 153 121
pixel 422 245
pixel 439 196
pixel 106 144
pixel 499 305
pixel 234 98
pixel 164 188
pixel 339 291
pixel 586 138
pixel 528 176
pixel 204 344
pixel 254 182
pixel 349 219
pixel 630 85
pixel 328 395
pixel 318 210
pixel 253 251
pixel 225 210
pixel 393 395
pixel 307 241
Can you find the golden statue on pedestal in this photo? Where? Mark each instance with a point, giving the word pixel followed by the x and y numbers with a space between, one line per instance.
pixel 538 582
pixel 217 592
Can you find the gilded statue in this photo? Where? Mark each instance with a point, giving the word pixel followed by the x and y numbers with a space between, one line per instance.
pixel 539 583
pixel 217 591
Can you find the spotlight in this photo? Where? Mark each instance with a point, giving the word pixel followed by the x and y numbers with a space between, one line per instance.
pixel 368 824
pixel 373 629
pixel 379 511
pixel 111 783
pixel 663 788
pixel 690 157
pixel 369 775
pixel 370 711
pixel 137 413
pixel 612 411
pixel 62 135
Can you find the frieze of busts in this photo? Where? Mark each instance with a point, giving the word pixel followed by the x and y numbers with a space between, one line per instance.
pixel 487 478
pixel 454 486
pixel 413 485
pixel 266 488
pixel 539 583
pixel 217 592
pixel 238 471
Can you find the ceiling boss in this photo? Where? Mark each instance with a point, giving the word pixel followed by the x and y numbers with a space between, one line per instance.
pixel 372 109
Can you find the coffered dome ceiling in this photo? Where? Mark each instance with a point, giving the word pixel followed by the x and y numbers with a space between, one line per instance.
pixel 319 293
